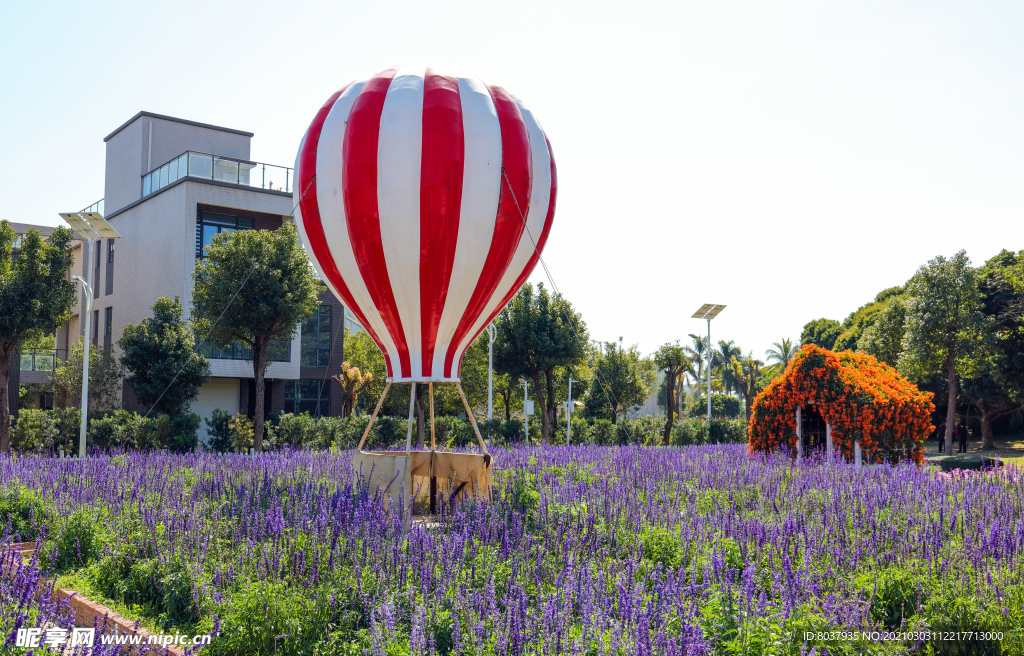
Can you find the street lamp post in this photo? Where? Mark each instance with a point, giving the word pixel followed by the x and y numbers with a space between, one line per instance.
pixel 708 311
pixel 526 408
pixel 92 227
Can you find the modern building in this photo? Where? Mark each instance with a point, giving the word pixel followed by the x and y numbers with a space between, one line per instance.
pixel 171 185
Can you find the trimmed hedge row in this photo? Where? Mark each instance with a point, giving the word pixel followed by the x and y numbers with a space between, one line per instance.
pixel 51 430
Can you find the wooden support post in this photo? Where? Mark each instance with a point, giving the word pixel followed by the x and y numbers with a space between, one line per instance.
pixel 858 458
pixel 366 433
pixel 412 409
pixel 430 390
pixel 472 419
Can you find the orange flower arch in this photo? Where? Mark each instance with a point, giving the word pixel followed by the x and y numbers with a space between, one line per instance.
pixel 864 401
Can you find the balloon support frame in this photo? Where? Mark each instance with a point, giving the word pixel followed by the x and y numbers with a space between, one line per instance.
pixel 422 476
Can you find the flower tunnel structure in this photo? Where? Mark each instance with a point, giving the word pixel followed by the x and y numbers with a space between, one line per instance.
pixel 850 403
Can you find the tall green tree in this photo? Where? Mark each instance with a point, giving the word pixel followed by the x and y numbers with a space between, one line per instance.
pixel 747 372
pixel 822 332
pixel 164 369
pixel 253 286
pixel 537 333
pixel 35 299
pixel 1001 285
pixel 884 337
pixel 674 361
pixel 698 354
pixel 623 378
pixel 943 324
pixel 727 349
pixel 782 352
pixel 105 376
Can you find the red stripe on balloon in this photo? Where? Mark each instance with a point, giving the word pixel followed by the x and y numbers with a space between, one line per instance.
pixel 545 231
pixel 512 208
pixel 441 174
pixel 311 221
pixel 359 186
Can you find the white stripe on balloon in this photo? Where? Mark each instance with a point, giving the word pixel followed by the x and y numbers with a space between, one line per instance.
pixel 399 161
pixel 481 189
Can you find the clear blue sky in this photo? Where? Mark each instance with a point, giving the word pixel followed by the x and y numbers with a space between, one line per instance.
pixel 787 159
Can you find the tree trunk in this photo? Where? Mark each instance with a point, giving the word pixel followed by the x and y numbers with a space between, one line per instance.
pixel 748 403
pixel 259 357
pixel 987 443
pixel 419 418
pixel 549 375
pixel 670 396
pixel 5 404
pixel 544 422
pixel 951 409
pixel 508 407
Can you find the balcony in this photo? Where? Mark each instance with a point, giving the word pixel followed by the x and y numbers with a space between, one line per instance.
pixel 203 166
pixel 41 359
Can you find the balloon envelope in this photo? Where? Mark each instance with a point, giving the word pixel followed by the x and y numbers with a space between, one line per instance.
pixel 424 201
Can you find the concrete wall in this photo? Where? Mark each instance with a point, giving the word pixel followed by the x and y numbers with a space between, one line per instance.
pixel 218 394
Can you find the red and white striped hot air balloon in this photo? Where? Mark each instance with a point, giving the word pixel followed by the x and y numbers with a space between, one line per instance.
pixel 424 201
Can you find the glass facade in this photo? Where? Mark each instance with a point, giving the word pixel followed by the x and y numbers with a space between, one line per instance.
pixel 307 395
pixel 316 338
pixel 276 351
pixel 209 225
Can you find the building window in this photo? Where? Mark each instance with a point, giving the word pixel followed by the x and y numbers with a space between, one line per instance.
pixel 316 338
pixel 209 225
pixel 108 330
pixel 110 251
pixel 95 327
pixel 302 396
pixel 276 351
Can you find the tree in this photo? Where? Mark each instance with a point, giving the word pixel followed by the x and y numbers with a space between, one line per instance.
pixel 698 354
pixel 165 371
pixel 821 332
pixel 884 338
pixel 35 299
pixel 536 333
pixel 723 361
pixel 673 360
pixel 943 323
pixel 1002 296
pixel 253 286
pixel 362 353
pixel 747 372
pixel 352 382
pixel 105 376
pixel 622 379
pixel 783 352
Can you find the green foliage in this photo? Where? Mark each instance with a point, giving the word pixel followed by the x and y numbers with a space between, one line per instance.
pixel 623 378
pixel 78 543
pixel 219 429
pixel 164 368
pixel 105 375
pixel 253 286
pixel 823 332
pixel 23 514
pixel 884 338
pixel 1001 284
pixel 722 405
pixel 35 298
pixel 536 334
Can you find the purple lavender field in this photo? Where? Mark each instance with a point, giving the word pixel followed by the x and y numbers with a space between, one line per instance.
pixel 582 550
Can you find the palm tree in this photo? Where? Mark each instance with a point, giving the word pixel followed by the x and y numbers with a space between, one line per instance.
pixel 723 361
pixel 698 354
pixel 783 352
pixel 747 372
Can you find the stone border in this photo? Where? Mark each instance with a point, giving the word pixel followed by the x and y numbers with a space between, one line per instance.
pixel 88 611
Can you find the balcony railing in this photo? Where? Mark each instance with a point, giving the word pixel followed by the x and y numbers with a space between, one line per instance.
pixel 95 207
pixel 41 359
pixel 204 166
pixel 276 351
